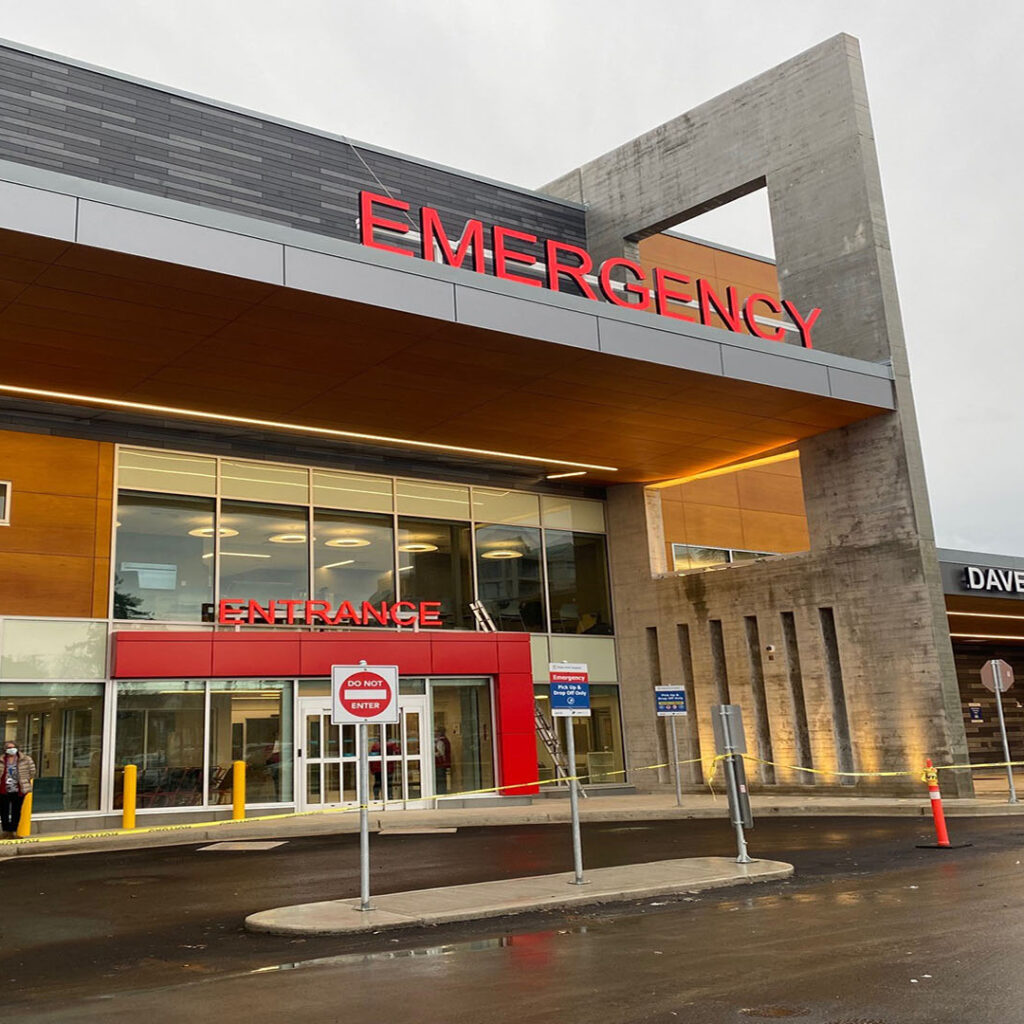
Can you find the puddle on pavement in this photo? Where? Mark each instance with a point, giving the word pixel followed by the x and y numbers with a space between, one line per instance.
pixel 526 941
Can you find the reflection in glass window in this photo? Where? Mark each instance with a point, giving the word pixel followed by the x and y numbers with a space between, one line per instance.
pixel 433 565
pixel 5 494
pixel 354 557
pixel 60 726
pixel 508 570
pixel 264 552
pixel 160 730
pixel 163 560
pixel 463 741
pixel 578 582
pixel 598 739
pixel 251 721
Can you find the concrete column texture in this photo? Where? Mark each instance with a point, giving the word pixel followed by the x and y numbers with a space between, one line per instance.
pixel 802 131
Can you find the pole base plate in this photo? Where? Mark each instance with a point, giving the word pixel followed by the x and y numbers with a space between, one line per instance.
pixel 936 846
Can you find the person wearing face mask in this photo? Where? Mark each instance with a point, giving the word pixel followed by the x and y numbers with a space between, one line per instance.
pixel 18 772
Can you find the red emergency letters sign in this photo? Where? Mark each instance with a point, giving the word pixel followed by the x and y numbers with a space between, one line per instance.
pixel 511 254
pixel 426 614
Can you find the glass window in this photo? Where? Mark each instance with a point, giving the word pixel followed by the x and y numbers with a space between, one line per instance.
pixel 5 503
pixel 60 726
pixel 264 481
pixel 516 508
pixel 598 739
pixel 354 557
pixel 53 649
pixel 444 501
pixel 166 471
pixel 350 490
pixel 508 568
pixel 163 561
pixel 159 728
pixel 572 513
pixel 463 742
pixel 264 553
pixel 434 565
pixel 251 721
pixel 578 582
pixel 692 556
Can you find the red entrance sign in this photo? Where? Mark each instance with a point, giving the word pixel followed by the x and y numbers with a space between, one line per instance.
pixel 426 614
pixel 516 250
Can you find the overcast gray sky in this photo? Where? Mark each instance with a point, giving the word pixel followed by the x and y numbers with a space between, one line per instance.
pixel 524 90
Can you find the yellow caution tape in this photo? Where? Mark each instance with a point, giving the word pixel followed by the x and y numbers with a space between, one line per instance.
pixel 710 769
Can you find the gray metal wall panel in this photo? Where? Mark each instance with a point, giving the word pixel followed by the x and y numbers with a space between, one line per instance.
pixel 37 212
pixel 664 347
pixel 119 132
pixel 480 308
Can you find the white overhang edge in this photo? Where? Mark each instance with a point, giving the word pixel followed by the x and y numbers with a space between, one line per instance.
pixel 53 205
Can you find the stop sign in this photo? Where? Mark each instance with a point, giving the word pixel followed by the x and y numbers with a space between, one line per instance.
pixel 364 693
pixel 996 672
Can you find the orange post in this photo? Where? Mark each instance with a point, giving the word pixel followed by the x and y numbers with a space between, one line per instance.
pixel 931 776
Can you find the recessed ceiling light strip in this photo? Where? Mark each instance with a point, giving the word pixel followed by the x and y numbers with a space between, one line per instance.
pixel 249 421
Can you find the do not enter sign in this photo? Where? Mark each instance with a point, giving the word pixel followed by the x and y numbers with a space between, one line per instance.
pixel 364 694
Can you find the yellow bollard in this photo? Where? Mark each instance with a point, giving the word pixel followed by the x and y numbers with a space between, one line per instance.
pixel 25 821
pixel 238 792
pixel 131 786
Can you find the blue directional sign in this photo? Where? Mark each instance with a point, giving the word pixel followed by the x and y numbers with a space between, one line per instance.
pixel 975 710
pixel 570 690
pixel 669 701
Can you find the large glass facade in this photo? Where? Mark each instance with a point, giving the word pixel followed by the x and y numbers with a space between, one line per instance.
pixel 578 582
pixel 163 567
pixel 354 557
pixel 60 725
pixel 598 739
pixel 538 563
pixel 434 565
pixel 264 552
pixel 463 735
pixel 161 728
pixel 508 572
pixel 251 721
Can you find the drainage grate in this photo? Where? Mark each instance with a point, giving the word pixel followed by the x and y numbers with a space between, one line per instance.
pixel 775 1012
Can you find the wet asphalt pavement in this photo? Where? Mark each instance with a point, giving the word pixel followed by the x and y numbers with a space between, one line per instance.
pixel 870 931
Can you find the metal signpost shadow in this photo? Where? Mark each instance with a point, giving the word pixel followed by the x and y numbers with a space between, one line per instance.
pixel 670 703
pixel 570 698
pixel 730 741
pixel 364 695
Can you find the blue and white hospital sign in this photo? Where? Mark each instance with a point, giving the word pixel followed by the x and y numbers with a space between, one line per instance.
pixel 570 690
pixel 669 701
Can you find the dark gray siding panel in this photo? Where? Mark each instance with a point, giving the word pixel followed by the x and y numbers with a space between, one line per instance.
pixel 105 129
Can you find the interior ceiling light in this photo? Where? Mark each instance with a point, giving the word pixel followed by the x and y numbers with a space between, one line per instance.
pixel 986 615
pixel 235 554
pixel 335 565
pixel 417 547
pixel 502 553
pixel 300 428
pixel 347 542
pixel 209 531
pixel 562 476
pixel 288 538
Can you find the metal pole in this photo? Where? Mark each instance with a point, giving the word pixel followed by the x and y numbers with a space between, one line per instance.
pixel 364 819
pixel 574 804
pixel 675 761
pixel 1006 743
pixel 742 857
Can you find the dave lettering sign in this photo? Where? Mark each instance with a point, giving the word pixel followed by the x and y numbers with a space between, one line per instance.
pixel 363 694
pixel 562 262
pixel 426 614
pixel 999 581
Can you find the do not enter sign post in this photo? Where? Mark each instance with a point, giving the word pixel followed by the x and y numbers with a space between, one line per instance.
pixel 363 695
pixel 997 676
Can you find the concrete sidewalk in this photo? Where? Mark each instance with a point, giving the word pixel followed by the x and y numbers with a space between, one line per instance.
pixel 425 907
pixel 628 807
